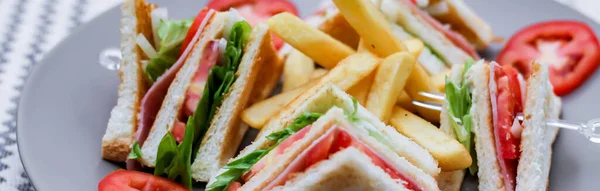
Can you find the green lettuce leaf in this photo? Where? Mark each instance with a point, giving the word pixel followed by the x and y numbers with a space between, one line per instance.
pixel 174 161
pixel 235 169
pixel 171 34
pixel 240 33
pixel 136 152
pixel 352 116
pixel 459 102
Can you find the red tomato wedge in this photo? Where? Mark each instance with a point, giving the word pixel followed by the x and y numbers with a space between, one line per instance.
pixel 125 180
pixel 569 47
pixel 193 29
pixel 507 107
pixel 255 11
pixel 508 104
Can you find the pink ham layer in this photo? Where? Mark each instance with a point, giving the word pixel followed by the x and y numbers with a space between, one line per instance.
pixel 154 97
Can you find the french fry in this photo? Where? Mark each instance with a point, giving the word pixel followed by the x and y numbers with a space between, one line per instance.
pixel 389 81
pixel 347 74
pixel 317 45
pixel 319 72
pixel 371 25
pixel 439 81
pixel 405 101
pixel 449 153
pixel 374 29
pixel 364 47
pixel 297 70
pixel 337 27
pixel 420 81
pixel 258 114
pixel 360 91
pixel 352 70
pixel 414 45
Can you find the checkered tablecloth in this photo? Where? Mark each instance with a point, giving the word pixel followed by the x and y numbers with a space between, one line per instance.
pixel 29 28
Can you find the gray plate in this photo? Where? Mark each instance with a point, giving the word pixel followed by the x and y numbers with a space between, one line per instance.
pixel 66 103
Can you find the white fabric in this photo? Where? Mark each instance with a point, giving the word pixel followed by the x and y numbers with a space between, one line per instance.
pixel 29 28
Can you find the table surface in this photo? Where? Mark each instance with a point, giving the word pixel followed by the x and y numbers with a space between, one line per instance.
pixel 29 28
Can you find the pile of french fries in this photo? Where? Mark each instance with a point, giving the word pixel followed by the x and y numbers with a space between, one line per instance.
pixel 382 74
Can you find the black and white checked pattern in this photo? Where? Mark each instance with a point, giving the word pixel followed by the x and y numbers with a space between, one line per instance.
pixel 29 28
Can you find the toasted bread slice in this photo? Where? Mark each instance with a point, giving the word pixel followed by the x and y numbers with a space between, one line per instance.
pixel 489 170
pixel 171 106
pixel 122 125
pixel 537 137
pixel 225 133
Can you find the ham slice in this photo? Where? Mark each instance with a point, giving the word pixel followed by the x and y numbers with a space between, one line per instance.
pixel 154 97
pixel 456 39
pixel 195 89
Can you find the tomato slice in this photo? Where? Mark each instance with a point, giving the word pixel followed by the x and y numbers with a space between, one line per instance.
pixel 193 29
pixel 234 186
pixel 508 104
pixel 515 86
pixel 126 180
pixel 569 47
pixel 255 11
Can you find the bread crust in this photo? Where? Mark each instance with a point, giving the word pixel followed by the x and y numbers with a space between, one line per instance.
pixel 489 169
pixel 270 68
pixel 537 138
pixel 122 125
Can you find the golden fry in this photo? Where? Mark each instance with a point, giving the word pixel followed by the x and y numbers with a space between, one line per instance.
pixel 319 72
pixel 317 45
pixel 374 29
pixel 390 78
pixel 337 27
pixel 405 101
pixel 360 91
pixel 439 81
pixel 347 74
pixel 258 114
pixel 297 70
pixel 371 25
pixel 414 45
pixel 449 153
